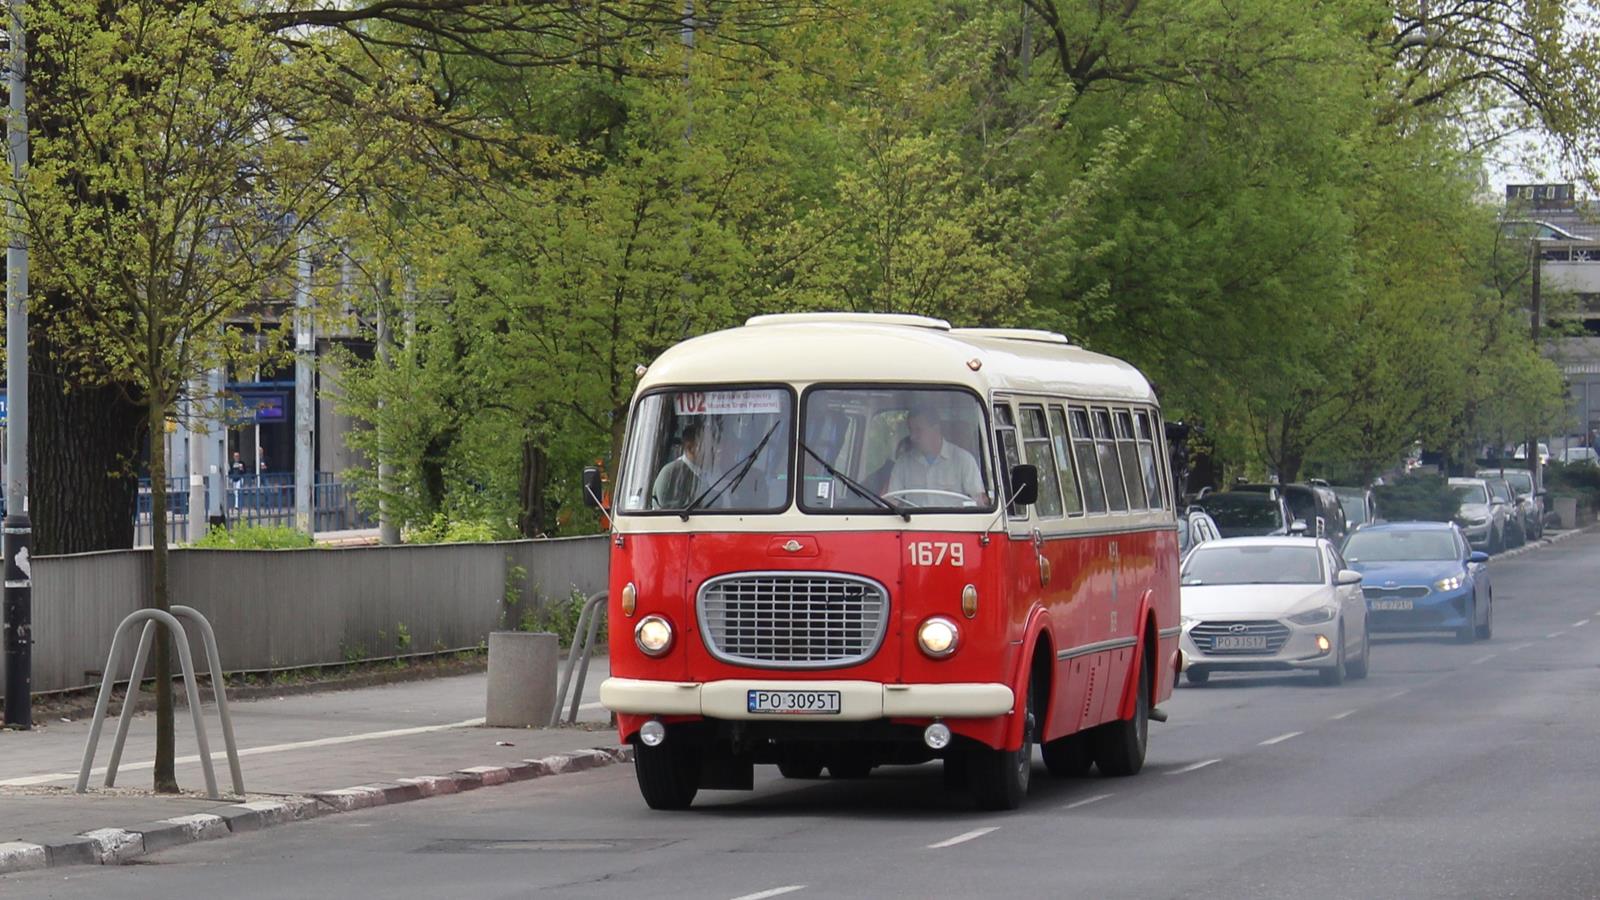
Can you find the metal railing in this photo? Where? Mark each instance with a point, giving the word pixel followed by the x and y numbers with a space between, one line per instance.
pixel 266 499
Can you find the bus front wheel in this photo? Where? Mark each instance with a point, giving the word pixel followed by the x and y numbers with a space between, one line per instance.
pixel 1000 777
pixel 669 774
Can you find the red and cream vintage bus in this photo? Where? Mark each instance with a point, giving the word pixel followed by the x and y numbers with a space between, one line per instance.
pixel 843 541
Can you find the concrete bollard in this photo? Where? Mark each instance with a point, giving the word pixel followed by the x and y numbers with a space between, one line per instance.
pixel 522 679
pixel 1567 511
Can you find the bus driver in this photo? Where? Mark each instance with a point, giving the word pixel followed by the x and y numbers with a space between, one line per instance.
pixel 931 466
pixel 680 480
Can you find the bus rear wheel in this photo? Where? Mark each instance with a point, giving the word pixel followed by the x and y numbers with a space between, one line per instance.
pixel 1119 747
pixel 669 774
pixel 1000 777
pixel 1068 757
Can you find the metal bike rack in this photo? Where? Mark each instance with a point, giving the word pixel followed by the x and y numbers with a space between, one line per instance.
pixel 582 646
pixel 151 619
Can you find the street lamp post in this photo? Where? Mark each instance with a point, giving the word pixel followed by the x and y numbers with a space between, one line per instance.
pixel 17 526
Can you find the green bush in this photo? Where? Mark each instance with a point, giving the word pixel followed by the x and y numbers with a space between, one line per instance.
pixel 445 530
pixel 1581 481
pixel 1426 498
pixel 255 537
pixel 560 617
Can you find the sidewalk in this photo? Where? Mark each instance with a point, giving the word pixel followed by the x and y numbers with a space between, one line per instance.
pixel 301 756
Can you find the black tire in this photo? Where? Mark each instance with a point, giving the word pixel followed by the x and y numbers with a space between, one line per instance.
pixel 1197 676
pixel 1333 676
pixel 1486 630
pixel 1359 668
pixel 1120 746
pixel 1068 757
pixel 1000 778
pixel 669 775
pixel 800 768
pixel 1468 633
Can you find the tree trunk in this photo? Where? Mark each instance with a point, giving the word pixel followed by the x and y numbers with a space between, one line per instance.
pixel 535 478
pixel 83 447
pixel 166 779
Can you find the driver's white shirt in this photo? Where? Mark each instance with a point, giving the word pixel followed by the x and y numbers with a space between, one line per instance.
pixel 953 469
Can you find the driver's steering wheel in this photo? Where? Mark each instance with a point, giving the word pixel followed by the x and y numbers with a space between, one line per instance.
pixel 894 495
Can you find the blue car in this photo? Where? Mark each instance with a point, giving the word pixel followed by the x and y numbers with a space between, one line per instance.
pixel 1423 576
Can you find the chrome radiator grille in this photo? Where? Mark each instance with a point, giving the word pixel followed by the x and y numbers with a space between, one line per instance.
pixel 792 620
pixel 1206 633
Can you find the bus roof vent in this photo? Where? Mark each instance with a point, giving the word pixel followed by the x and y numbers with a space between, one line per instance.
pixel 1035 335
pixel 850 318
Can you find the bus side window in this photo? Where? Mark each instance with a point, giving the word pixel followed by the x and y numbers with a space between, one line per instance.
pixel 1147 460
pixel 1036 441
pixel 1005 429
pixel 1128 455
pixel 1094 492
pixel 1062 442
pixel 1106 447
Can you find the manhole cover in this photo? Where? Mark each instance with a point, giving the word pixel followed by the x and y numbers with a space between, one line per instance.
pixel 541 845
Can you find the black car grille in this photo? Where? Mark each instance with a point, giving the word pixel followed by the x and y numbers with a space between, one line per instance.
pixel 1413 592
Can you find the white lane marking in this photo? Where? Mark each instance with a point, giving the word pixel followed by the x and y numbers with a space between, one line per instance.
pixel 1522 646
pixel 1396 695
pixel 1086 801
pixel 253 751
pixel 775 892
pixel 1555 634
pixel 1195 766
pixel 1344 715
pixel 964 837
pixel 1280 739
pixel 1580 624
pixel 1485 658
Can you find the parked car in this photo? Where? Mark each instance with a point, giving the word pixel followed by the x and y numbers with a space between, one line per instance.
pixel 1580 456
pixel 1245 514
pixel 1529 502
pixel 1195 527
pixel 1360 505
pixel 1276 603
pixel 1423 576
pixel 1316 505
pixel 1500 492
pixel 1483 520
pixel 1544 452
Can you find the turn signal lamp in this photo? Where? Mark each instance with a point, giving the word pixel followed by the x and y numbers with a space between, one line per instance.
pixel 969 601
pixel 630 599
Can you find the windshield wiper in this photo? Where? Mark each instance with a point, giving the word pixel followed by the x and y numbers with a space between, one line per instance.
pixel 738 470
pixel 854 485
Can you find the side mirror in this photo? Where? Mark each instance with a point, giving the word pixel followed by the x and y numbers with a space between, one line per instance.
pixel 593 488
pixel 1024 485
pixel 1478 556
pixel 1349 576
pixel 1298 526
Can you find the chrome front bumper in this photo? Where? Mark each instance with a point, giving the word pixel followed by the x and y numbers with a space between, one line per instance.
pixel 859 700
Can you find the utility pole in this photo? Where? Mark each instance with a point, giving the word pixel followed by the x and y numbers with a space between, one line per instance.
pixel 388 532
pixel 18 527
pixel 197 462
pixel 305 345
pixel 1536 303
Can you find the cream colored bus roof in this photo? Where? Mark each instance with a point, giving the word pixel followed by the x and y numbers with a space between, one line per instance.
pixel 859 347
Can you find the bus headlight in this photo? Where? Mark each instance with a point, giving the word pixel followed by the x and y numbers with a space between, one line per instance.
pixel 653 635
pixel 938 637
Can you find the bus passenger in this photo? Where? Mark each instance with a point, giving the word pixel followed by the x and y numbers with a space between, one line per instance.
pixel 680 480
pixel 932 465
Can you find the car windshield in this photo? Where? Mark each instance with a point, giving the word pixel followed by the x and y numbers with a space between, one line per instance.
pixel 1213 564
pixel 1521 481
pixel 1499 491
pixel 892 450
pixel 1401 546
pixel 1471 493
pixel 1354 504
pixel 1235 511
pixel 724 450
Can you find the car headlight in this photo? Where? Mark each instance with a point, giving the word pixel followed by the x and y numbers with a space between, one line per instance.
pixel 1315 616
pixel 1449 584
pixel 938 637
pixel 653 635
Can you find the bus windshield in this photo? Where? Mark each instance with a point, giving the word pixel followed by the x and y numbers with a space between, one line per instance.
pixel 893 450
pixel 714 450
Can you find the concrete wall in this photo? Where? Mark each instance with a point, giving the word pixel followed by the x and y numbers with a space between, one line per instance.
pixel 284 608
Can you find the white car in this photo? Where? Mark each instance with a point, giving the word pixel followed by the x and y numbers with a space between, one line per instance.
pixel 1273 604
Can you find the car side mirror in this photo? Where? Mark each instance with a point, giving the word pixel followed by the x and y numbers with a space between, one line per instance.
pixel 1349 576
pixel 593 488
pixel 1298 526
pixel 1024 484
pixel 1478 556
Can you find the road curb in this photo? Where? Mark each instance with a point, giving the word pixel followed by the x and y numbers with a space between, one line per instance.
pixel 115 846
pixel 1546 542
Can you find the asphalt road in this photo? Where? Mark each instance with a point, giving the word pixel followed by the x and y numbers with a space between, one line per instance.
pixel 1453 771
